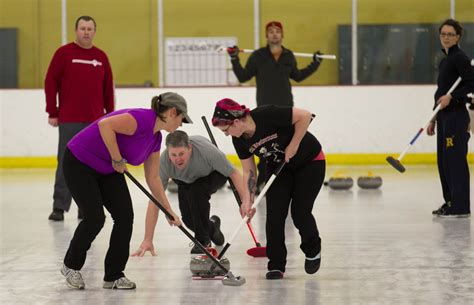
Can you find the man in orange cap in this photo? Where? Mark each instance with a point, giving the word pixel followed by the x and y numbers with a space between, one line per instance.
pixel 273 66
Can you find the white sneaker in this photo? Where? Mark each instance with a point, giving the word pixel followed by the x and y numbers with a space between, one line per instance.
pixel 121 283
pixel 73 278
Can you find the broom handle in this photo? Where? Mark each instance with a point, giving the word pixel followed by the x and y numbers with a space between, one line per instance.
pixel 232 186
pixel 258 200
pixel 246 217
pixel 298 54
pixel 432 116
pixel 168 214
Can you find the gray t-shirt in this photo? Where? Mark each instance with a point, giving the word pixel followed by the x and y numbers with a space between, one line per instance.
pixel 205 158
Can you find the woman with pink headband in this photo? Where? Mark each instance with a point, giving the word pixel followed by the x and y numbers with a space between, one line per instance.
pixel 278 134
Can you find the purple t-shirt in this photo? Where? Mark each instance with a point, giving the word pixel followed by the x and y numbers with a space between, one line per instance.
pixel 89 148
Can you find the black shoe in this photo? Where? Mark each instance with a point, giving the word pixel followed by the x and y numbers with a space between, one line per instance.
pixel 80 214
pixel 56 215
pixel 274 275
pixel 442 208
pixel 196 250
pixel 311 265
pixel 449 213
pixel 217 237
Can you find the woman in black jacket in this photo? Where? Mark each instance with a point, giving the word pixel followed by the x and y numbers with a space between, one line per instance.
pixel 453 122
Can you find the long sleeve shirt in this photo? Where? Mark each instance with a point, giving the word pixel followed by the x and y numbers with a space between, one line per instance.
pixel 272 76
pixel 79 85
pixel 455 64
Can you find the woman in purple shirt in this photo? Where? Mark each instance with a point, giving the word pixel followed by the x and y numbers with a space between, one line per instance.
pixel 94 162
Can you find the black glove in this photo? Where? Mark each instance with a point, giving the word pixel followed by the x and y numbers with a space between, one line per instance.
pixel 316 58
pixel 233 52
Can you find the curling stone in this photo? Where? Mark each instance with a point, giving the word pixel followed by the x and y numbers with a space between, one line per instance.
pixel 340 183
pixel 201 266
pixel 369 182
pixel 172 186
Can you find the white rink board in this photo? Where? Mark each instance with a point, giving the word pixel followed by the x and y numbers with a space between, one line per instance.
pixel 361 119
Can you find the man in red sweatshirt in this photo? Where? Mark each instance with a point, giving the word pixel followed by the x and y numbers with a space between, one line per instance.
pixel 79 89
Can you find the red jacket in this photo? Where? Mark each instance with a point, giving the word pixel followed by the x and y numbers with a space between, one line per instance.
pixel 82 80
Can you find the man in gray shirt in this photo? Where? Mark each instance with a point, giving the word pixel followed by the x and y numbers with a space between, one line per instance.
pixel 199 169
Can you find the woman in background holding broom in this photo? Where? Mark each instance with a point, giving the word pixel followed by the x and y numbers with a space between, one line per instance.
pixel 453 123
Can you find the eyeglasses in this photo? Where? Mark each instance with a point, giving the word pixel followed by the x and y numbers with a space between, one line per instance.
pixel 449 35
pixel 226 129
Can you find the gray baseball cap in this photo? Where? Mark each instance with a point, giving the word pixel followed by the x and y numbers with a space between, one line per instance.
pixel 172 99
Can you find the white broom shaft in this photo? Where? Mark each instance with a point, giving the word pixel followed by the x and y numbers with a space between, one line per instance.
pixel 323 56
pixel 456 83
pixel 255 205
pixel 435 112
pixel 432 116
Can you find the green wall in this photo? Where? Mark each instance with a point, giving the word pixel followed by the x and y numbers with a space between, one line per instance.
pixel 127 29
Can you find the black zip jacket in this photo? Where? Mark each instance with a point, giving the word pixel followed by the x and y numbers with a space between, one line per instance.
pixel 273 77
pixel 455 64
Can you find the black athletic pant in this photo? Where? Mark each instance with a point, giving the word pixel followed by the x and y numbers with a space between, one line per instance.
pixel 194 204
pixel 92 191
pixel 453 136
pixel 62 196
pixel 298 189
